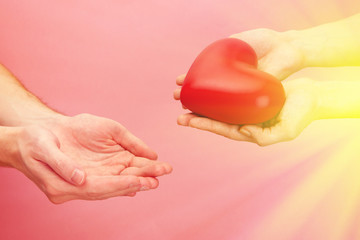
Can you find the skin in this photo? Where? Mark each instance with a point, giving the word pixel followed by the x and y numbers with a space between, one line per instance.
pixel 282 54
pixel 81 157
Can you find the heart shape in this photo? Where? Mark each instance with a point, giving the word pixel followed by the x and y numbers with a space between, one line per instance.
pixel 224 84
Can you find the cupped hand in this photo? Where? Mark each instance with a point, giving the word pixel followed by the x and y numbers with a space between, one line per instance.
pixel 277 54
pixel 87 157
pixel 299 110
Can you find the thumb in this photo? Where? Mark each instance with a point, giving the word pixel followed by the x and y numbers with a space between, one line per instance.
pixel 261 40
pixel 280 71
pixel 63 165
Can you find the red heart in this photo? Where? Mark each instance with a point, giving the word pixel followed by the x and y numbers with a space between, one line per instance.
pixel 224 84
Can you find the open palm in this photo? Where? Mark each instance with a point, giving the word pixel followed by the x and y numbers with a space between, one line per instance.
pixel 299 110
pixel 116 163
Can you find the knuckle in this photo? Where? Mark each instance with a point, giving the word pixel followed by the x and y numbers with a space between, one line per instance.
pixel 133 181
pixel 127 158
pixel 55 200
pixel 131 194
pixel 154 184
pixel 51 191
pixel 59 164
pixel 83 115
pixel 92 194
pixel 261 143
pixel 291 133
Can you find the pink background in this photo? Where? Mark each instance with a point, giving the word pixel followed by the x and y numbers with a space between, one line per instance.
pixel 119 59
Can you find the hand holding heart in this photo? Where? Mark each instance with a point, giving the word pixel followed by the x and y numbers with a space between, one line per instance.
pixel 298 111
pixel 290 121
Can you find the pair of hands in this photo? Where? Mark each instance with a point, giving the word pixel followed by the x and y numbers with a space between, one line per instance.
pixel 89 157
pixel 86 157
pixel 279 57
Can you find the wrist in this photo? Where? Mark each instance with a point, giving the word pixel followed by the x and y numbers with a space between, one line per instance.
pixel 302 94
pixel 338 99
pixel 40 118
pixel 329 45
pixel 19 107
pixel 326 99
pixel 28 113
pixel 9 148
pixel 309 43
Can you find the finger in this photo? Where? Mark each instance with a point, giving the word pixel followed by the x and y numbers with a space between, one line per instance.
pixel 103 187
pixel 184 119
pixel 224 129
pixel 148 183
pixel 220 128
pixel 177 94
pixel 180 79
pixel 95 188
pixel 144 162
pixel 261 40
pixel 156 170
pixel 264 136
pixel 62 164
pixel 280 71
pixel 133 144
pixel 90 195
pixel 131 194
pixel 114 167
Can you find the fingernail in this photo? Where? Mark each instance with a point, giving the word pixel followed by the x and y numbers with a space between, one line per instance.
pixel 78 176
pixel 245 132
